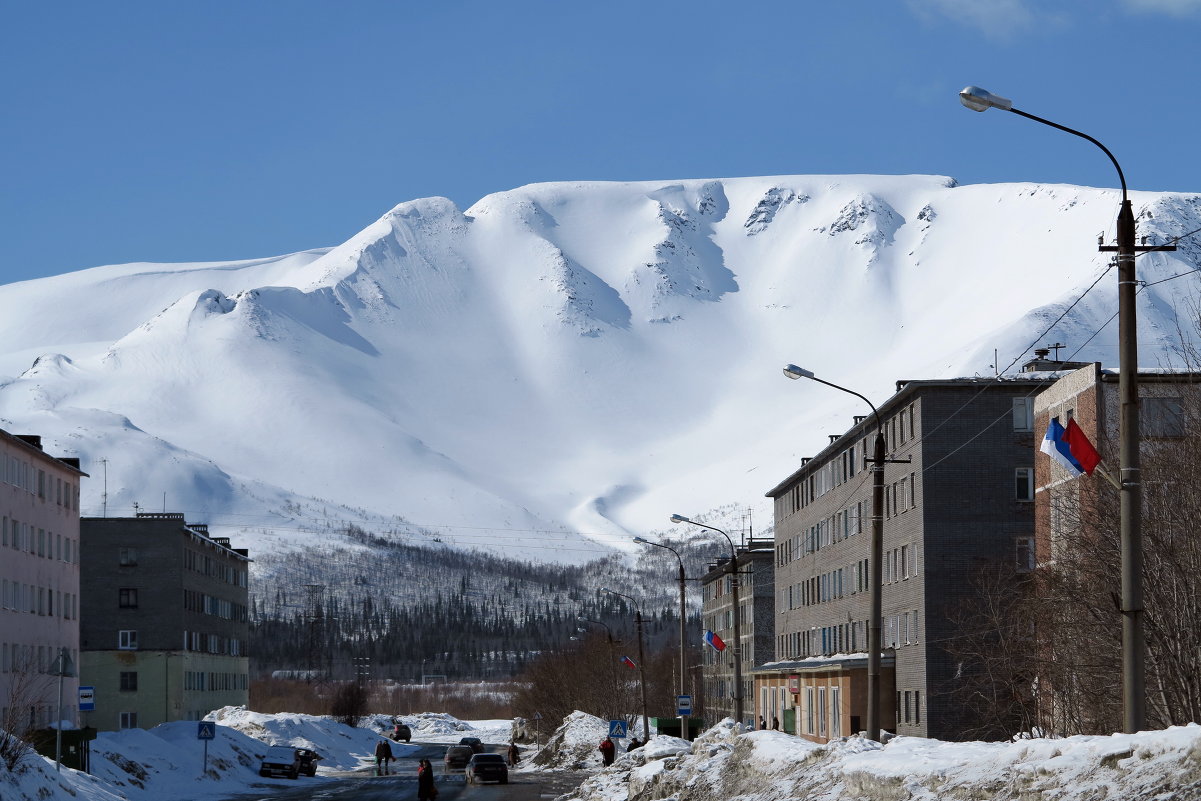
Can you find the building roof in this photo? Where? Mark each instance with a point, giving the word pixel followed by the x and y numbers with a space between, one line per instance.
pixel 906 389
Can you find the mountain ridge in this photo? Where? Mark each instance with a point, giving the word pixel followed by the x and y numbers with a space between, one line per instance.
pixel 577 357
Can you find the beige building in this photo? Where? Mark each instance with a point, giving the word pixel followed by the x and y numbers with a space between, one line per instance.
pixel 39 583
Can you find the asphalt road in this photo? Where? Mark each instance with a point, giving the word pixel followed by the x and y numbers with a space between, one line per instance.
pixel 364 785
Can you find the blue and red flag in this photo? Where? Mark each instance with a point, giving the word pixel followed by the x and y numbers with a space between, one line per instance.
pixel 1070 448
pixel 714 642
pixel 630 663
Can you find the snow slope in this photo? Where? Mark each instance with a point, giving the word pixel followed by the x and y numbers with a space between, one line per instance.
pixel 576 358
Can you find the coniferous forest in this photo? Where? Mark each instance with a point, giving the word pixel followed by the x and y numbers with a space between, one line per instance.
pixel 375 607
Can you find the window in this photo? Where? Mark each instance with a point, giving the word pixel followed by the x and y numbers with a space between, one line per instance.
pixel 127 640
pixel 1024 483
pixel 917 706
pixel 1161 417
pixel 129 720
pixel 127 598
pixel 129 681
pixel 1023 414
pixel 127 556
pixel 1024 554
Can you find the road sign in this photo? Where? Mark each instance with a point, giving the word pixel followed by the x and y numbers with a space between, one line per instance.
pixel 87 699
pixel 683 705
pixel 206 730
pixel 617 728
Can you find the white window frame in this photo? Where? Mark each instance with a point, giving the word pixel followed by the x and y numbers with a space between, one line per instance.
pixel 127 640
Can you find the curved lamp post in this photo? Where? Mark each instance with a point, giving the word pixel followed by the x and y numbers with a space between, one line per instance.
pixel 646 728
pixel 683 629
pixel 612 654
pixel 738 706
pixel 877 555
pixel 1133 636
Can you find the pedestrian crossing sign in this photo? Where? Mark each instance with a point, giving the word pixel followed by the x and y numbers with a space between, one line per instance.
pixel 617 728
pixel 206 730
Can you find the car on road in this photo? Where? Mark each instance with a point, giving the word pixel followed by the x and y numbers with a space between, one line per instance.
pixel 457 757
pixel 280 760
pixel 308 760
pixel 487 768
pixel 401 731
pixel 477 745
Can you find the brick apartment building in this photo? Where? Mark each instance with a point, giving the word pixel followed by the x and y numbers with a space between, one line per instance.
pixel 963 500
pixel 39 582
pixel 164 623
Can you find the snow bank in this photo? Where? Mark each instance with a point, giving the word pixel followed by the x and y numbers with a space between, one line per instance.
pixel 773 766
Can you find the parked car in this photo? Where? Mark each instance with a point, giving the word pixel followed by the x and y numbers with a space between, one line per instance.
pixel 401 731
pixel 487 768
pixel 477 745
pixel 457 757
pixel 280 760
pixel 308 760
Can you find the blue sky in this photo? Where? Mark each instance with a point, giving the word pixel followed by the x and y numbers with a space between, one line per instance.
pixel 182 131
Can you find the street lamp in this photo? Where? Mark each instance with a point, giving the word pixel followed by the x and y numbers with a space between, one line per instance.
pixel 877 556
pixel 1133 636
pixel 612 655
pixel 683 630
pixel 646 727
pixel 738 707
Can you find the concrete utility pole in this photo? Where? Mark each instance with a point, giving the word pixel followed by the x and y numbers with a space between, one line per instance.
pixel 737 647
pixel 684 731
pixel 879 459
pixel 1134 642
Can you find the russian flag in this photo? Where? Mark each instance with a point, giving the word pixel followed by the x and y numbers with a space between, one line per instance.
pixel 1070 448
pixel 714 642
pixel 625 660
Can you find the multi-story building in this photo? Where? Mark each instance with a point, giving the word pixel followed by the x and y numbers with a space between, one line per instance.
pixel 755 571
pixel 39 583
pixel 1077 522
pixel 959 491
pixel 164 623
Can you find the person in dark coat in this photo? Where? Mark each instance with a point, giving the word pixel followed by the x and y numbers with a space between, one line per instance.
pixel 383 755
pixel 635 744
pixel 513 754
pixel 762 723
pixel 775 723
pixel 607 750
pixel 426 791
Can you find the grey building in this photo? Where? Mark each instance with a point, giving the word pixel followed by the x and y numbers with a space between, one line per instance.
pixel 963 500
pixel 163 623
pixel 756 571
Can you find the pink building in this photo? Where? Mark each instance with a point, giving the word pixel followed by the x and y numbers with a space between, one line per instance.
pixel 39 583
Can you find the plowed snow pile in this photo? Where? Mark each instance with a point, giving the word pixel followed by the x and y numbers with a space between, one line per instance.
pixel 772 766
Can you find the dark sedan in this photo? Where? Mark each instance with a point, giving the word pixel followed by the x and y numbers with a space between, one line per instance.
pixel 457 757
pixel 487 768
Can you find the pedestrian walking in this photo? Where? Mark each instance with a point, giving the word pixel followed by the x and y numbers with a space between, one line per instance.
pixel 513 754
pixel 426 789
pixel 607 750
pixel 775 723
pixel 762 723
pixel 383 755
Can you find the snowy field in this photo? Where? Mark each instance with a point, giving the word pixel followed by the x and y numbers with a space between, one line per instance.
pixel 724 764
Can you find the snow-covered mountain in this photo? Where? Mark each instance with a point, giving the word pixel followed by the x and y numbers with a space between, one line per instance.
pixel 560 366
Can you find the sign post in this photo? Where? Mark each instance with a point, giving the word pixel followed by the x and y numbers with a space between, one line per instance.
pixel 206 730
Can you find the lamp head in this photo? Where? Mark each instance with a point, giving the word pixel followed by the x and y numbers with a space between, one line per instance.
pixel 794 372
pixel 641 540
pixel 679 519
pixel 978 99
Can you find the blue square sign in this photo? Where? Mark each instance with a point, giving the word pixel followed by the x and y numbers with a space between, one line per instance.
pixel 206 730
pixel 617 728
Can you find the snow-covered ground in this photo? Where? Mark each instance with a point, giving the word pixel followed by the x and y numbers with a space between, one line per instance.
pixel 724 764
pixel 168 760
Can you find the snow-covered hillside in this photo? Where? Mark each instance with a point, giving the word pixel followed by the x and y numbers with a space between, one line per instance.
pixel 559 366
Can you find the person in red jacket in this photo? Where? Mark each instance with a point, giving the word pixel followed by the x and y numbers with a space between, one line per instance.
pixel 607 750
